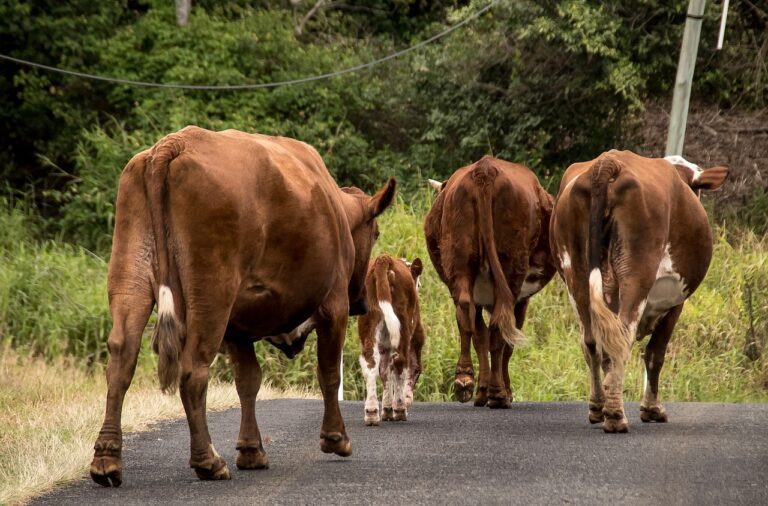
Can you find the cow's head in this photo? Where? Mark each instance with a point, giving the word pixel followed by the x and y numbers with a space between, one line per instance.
pixel 365 231
pixel 696 177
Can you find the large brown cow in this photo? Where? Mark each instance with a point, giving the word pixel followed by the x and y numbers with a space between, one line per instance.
pixel 487 236
pixel 236 237
pixel 391 337
pixel 632 243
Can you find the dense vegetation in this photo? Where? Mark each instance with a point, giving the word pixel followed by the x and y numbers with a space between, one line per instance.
pixel 539 82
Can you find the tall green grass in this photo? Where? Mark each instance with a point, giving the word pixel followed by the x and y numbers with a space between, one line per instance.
pixel 53 302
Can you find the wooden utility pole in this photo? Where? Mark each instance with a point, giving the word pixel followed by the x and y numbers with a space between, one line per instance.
pixel 685 66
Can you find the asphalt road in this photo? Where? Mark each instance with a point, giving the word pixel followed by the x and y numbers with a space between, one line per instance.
pixel 534 453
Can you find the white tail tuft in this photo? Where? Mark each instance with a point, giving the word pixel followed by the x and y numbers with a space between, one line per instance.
pixel 165 302
pixel 612 337
pixel 392 323
pixel 512 335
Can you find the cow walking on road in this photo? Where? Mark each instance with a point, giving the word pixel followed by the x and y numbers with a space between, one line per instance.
pixel 235 237
pixel 487 236
pixel 633 243
pixel 391 337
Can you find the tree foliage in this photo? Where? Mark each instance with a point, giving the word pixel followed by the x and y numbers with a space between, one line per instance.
pixel 540 82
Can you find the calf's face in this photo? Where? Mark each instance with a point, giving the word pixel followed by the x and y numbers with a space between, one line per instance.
pixel 365 231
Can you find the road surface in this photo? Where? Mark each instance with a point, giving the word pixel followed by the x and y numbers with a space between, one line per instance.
pixel 450 453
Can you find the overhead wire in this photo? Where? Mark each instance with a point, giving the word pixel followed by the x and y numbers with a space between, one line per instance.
pixel 254 86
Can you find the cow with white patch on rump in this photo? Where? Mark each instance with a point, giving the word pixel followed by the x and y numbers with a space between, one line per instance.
pixel 633 243
pixel 391 337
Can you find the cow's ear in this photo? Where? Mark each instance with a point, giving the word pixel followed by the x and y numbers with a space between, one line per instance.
pixel 437 185
pixel 416 267
pixel 382 199
pixel 710 179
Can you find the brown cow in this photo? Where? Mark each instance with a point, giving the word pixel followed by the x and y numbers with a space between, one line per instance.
pixel 487 235
pixel 391 337
pixel 633 242
pixel 236 237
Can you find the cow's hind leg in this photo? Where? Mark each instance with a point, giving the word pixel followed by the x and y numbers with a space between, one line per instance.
pixel 497 393
pixel 387 394
pixel 205 333
pixel 330 342
pixel 464 381
pixel 371 409
pixel 129 315
pixel 250 451
pixel 481 339
pixel 594 362
pixel 651 410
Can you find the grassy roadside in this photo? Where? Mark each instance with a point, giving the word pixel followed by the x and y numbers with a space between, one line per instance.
pixel 51 412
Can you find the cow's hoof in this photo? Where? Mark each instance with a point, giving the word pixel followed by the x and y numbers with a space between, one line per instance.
pixel 107 471
pixel 408 398
pixel 653 414
pixel 219 471
pixel 615 422
pixel 337 443
pixel 481 397
pixel 371 417
pixel 387 414
pixel 499 402
pixel 401 415
pixel 252 458
pixel 595 412
pixel 463 387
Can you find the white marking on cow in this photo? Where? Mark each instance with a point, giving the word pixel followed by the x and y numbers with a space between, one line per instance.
pixel 370 374
pixel 679 160
pixel 483 290
pixel 392 323
pixel 596 282
pixel 668 291
pixel 565 260
pixel 165 302
pixel 418 283
pixel 633 325
pixel 529 288
pixel 213 449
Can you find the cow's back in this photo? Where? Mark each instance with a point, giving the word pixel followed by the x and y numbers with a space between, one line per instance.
pixel 261 213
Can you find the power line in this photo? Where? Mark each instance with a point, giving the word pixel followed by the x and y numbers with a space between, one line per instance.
pixel 275 84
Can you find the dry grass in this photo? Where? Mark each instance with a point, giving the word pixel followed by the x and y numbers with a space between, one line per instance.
pixel 50 414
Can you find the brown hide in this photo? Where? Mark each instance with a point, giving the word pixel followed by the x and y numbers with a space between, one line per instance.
pixel 391 281
pixel 237 237
pixel 487 236
pixel 632 242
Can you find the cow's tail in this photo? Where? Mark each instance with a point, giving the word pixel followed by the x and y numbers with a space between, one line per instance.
pixel 167 339
pixel 503 314
pixel 611 335
pixel 384 300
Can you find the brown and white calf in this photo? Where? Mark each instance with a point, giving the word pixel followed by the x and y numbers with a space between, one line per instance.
pixel 488 237
pixel 633 243
pixel 391 337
